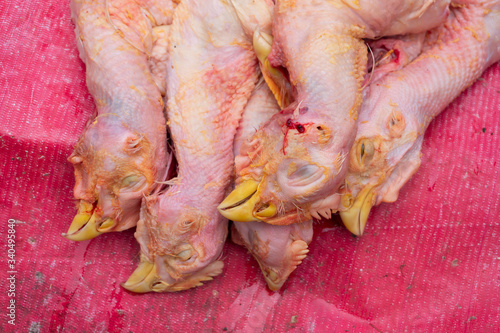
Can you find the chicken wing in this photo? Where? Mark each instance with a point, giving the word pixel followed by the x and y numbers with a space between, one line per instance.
pixel 122 152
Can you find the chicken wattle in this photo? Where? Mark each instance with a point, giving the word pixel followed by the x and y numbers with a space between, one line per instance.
pixel 123 152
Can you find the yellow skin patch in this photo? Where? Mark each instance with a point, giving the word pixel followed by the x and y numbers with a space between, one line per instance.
pixel 284 5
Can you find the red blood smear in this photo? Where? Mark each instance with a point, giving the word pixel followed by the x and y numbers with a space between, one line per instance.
pixel 396 56
pixel 290 124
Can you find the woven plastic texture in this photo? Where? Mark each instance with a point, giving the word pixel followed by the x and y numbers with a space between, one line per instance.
pixel 428 263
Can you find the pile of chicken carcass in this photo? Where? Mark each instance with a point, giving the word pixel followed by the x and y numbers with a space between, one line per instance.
pixel 278 112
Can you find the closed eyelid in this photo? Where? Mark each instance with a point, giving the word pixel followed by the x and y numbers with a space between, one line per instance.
pixel 305 175
pixel 304 171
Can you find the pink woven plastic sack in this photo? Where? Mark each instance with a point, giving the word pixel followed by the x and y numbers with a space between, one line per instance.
pixel 428 263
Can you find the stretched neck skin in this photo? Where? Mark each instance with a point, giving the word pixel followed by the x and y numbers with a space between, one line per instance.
pixel 326 61
pixel 131 93
pixel 125 93
pixel 320 43
pixel 211 71
pixel 466 46
pixel 205 106
pixel 399 107
pixel 204 110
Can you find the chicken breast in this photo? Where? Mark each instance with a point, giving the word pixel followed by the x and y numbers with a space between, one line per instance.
pixel 122 152
pixel 399 107
pixel 303 151
pixel 277 249
pixel 211 72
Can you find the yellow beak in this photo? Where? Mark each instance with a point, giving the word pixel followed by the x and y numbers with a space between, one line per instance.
pixel 145 278
pixel 85 224
pixel 272 280
pixel 240 205
pixel 355 217
pixel 275 80
pixel 106 226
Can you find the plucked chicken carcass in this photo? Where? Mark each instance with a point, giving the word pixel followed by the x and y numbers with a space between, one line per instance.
pixel 211 72
pixel 123 151
pixel 398 108
pixel 277 249
pixel 290 169
pixel 300 156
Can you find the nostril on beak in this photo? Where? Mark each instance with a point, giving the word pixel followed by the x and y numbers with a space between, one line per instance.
pixel 262 207
pixel 347 200
pixel 266 210
pixel 106 225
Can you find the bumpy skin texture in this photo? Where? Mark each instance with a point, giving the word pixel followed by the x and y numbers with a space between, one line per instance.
pixel 277 249
pixel 398 108
pixel 122 152
pixel 301 155
pixel 211 72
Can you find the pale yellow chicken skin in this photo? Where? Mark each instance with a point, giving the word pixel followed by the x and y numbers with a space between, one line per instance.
pixel 301 155
pixel 211 72
pixel 398 108
pixel 122 153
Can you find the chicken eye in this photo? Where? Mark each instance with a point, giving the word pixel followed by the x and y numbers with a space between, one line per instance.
pixel 347 200
pixel 304 172
pixel 130 181
pixel 366 149
pixel 305 175
pixel 185 255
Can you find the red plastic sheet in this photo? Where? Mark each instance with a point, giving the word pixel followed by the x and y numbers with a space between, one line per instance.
pixel 428 263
